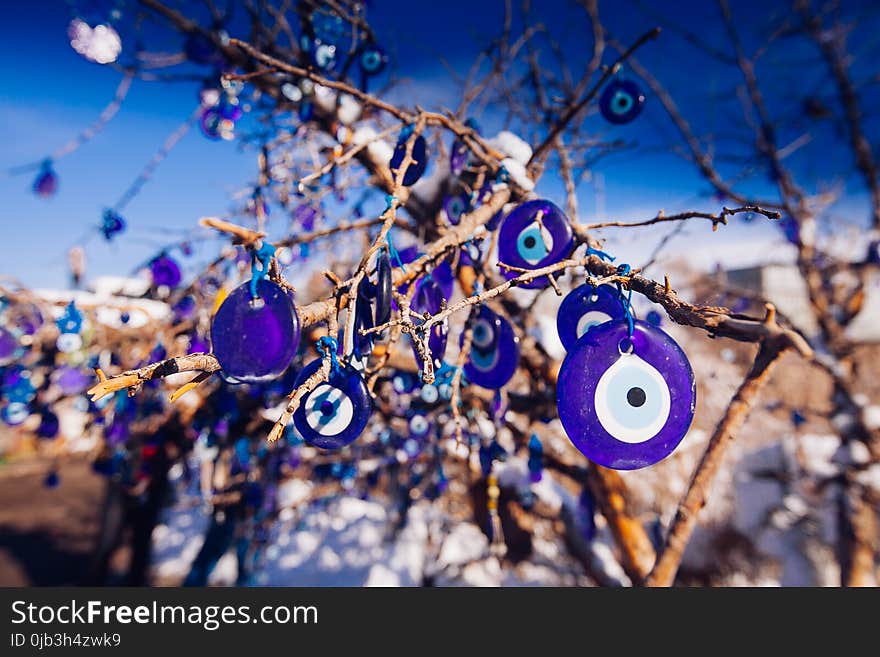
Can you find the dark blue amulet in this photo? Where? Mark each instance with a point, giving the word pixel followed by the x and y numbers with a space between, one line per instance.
pixel 373 59
pixel 534 235
pixel 621 101
pixel 383 288
pixel 165 271
pixel 336 411
pixel 428 298
pixel 626 403
pixel 419 156
pixel 585 307
pixel 494 353
pixel 255 340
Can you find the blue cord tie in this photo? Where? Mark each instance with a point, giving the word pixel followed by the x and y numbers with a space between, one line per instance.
pixel 328 346
pixel 406 132
pixel 390 200
pixel 262 255
pixel 393 252
pixel 503 176
pixel 626 299
pixel 601 254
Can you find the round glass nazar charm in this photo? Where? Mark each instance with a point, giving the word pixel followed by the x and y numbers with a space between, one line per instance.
pixel 335 412
pixel 621 101
pixel 419 156
pixel 372 59
pixel 255 340
pixel 454 206
pixel 165 271
pixel 585 307
pixel 535 234
pixel 626 402
pixel 494 351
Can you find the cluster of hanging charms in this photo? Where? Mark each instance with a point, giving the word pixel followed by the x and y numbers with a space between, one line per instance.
pixel 626 393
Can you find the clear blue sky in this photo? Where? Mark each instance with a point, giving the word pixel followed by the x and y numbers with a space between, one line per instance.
pixel 50 94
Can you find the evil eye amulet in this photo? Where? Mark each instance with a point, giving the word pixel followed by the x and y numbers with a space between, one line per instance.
pixel 255 340
pixel 373 60
pixel 454 206
pixel 535 234
pixel 419 156
pixel 585 307
pixel 383 288
pixel 621 101
pixel 165 271
pixel 626 403
pixel 429 299
pixel 494 351
pixel 336 411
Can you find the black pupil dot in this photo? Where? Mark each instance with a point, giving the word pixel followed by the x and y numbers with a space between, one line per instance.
pixel 635 397
pixel 530 242
pixel 326 407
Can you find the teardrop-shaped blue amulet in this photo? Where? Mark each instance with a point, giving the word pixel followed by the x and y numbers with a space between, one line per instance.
pixel 621 101
pixel 419 160
pixel 335 412
pixel 165 271
pixel 585 307
pixel 534 235
pixel 255 340
pixel 626 403
pixel 494 351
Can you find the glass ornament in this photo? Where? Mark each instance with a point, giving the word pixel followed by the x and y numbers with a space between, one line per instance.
pixel 112 224
pixel 165 271
pixel 383 287
pixel 419 163
pixel 372 60
pixel 71 380
pixel 454 207
pixel 585 307
pixel 428 298
pixel 255 340
pixel 621 101
pixel 626 402
pixel 49 425
pixel 494 353
pixel 15 413
pixel 336 412
pixel 534 235
pixel 46 182
pixel 10 347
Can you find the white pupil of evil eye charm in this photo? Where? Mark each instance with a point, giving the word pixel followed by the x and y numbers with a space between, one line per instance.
pixel 626 403
pixel 585 307
pixel 336 412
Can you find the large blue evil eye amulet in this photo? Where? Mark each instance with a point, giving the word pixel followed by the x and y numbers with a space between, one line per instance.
pixel 335 412
pixel 621 101
pixel 535 234
pixel 255 340
pixel 585 307
pixel 494 351
pixel 626 402
pixel 419 156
